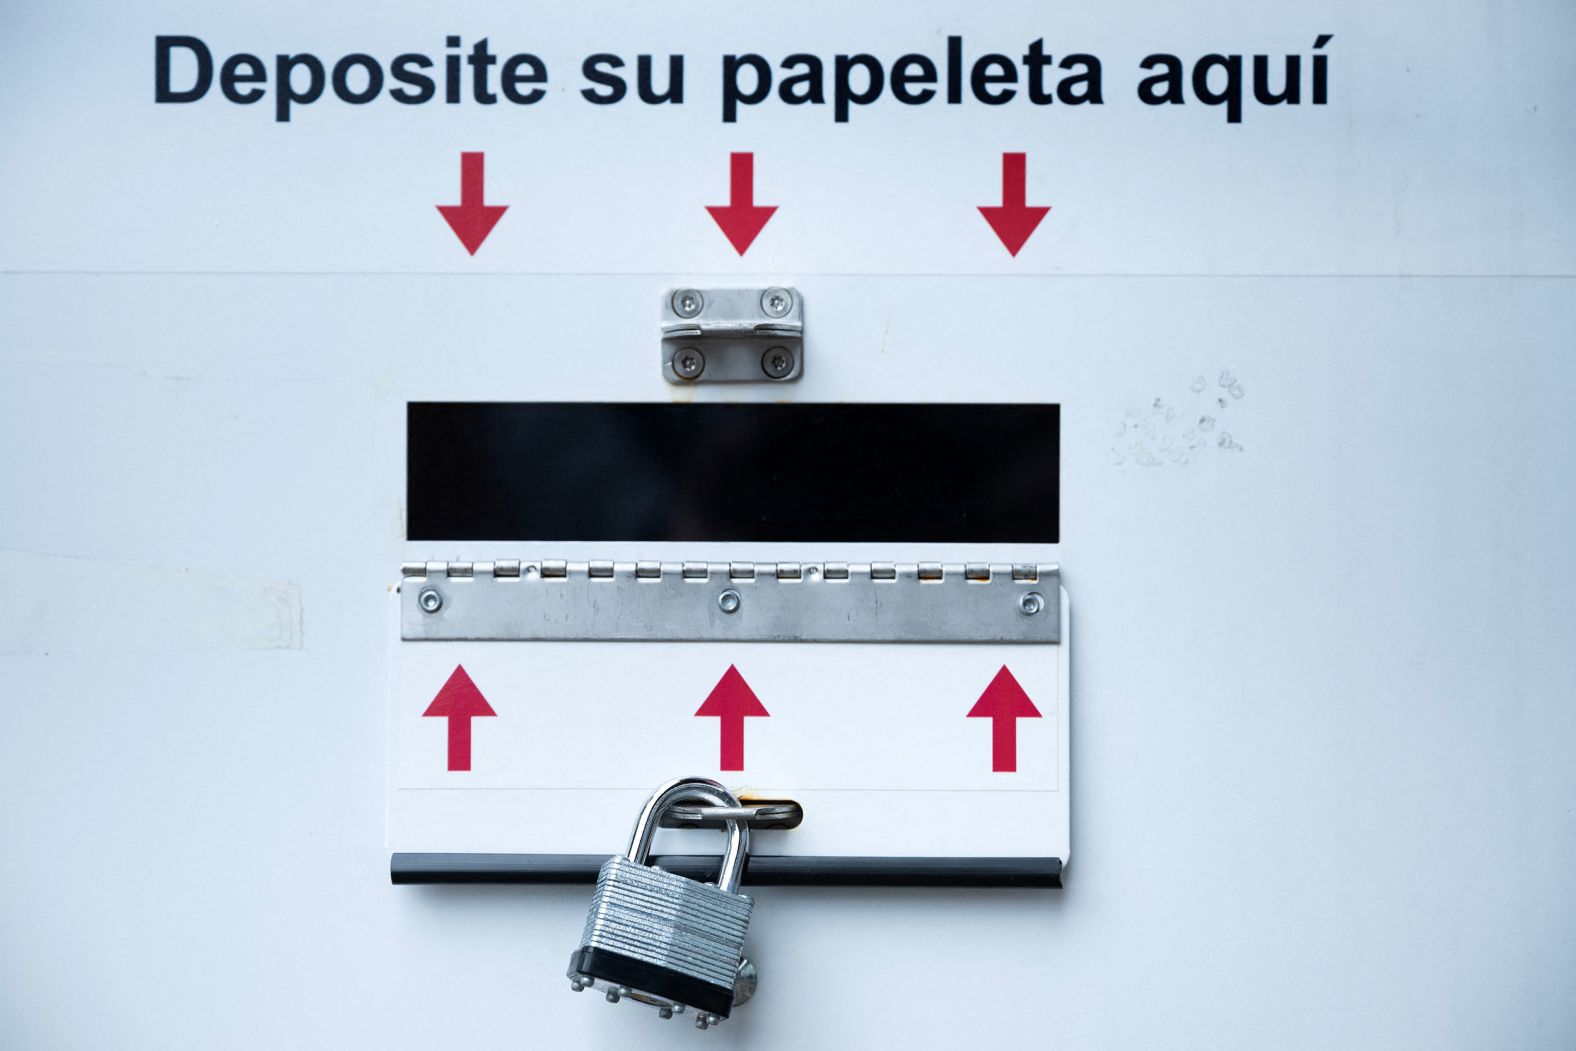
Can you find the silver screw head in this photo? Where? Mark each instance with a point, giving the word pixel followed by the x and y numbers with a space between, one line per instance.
pixel 688 363
pixel 664 1012
pixel 776 302
pixel 777 362
pixel 1030 603
pixel 700 1022
pixel 688 303
pixel 613 995
pixel 430 600
pixel 729 601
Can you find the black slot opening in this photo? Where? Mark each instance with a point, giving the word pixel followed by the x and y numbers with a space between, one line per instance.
pixel 848 473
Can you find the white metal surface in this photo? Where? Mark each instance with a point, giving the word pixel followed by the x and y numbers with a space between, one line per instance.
pixel 1323 680
pixel 873 740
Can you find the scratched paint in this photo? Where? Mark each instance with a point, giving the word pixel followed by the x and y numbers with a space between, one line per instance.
pixel 1185 427
pixel 59 604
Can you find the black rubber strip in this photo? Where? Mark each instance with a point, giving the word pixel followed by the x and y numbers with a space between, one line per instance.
pixel 617 969
pixel 761 870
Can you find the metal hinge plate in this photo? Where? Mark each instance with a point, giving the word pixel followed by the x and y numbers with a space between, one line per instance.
pixel 732 335
pixel 613 601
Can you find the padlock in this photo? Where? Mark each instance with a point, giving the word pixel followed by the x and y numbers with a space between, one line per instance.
pixel 660 939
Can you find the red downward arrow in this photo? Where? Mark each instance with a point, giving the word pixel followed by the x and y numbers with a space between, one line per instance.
pixel 471 220
pixel 741 218
pixel 1015 220
pixel 732 701
pixel 1004 703
pixel 459 702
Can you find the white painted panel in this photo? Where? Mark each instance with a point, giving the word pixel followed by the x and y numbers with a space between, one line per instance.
pixel 200 836
pixel 1323 682
pixel 874 740
pixel 1427 158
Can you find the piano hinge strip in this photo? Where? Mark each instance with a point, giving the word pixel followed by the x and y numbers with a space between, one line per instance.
pixel 674 601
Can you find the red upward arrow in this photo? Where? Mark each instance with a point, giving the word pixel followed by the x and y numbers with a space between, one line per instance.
pixel 741 218
pixel 471 220
pixel 1014 220
pixel 732 701
pixel 1004 703
pixel 459 702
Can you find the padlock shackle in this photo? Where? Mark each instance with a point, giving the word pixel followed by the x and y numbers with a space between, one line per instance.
pixel 688 790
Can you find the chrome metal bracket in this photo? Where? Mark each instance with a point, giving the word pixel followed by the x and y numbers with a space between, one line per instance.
pixel 611 601
pixel 732 335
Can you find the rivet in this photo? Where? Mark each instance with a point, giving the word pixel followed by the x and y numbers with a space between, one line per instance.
pixel 687 302
pixel 776 302
pixel 777 362
pixel 688 363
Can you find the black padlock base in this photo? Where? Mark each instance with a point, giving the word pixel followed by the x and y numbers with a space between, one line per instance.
pixel 617 969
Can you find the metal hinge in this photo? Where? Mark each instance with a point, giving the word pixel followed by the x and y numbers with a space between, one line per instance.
pixel 731 601
pixel 732 335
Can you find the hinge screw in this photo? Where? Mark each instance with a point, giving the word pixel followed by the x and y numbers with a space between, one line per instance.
pixel 729 601
pixel 688 363
pixel 687 302
pixel 430 600
pixel 777 362
pixel 1030 603
pixel 776 302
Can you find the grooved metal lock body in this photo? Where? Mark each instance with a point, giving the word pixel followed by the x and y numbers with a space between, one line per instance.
pixel 661 939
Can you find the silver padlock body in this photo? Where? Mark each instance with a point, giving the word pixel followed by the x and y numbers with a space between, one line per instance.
pixel 661 934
